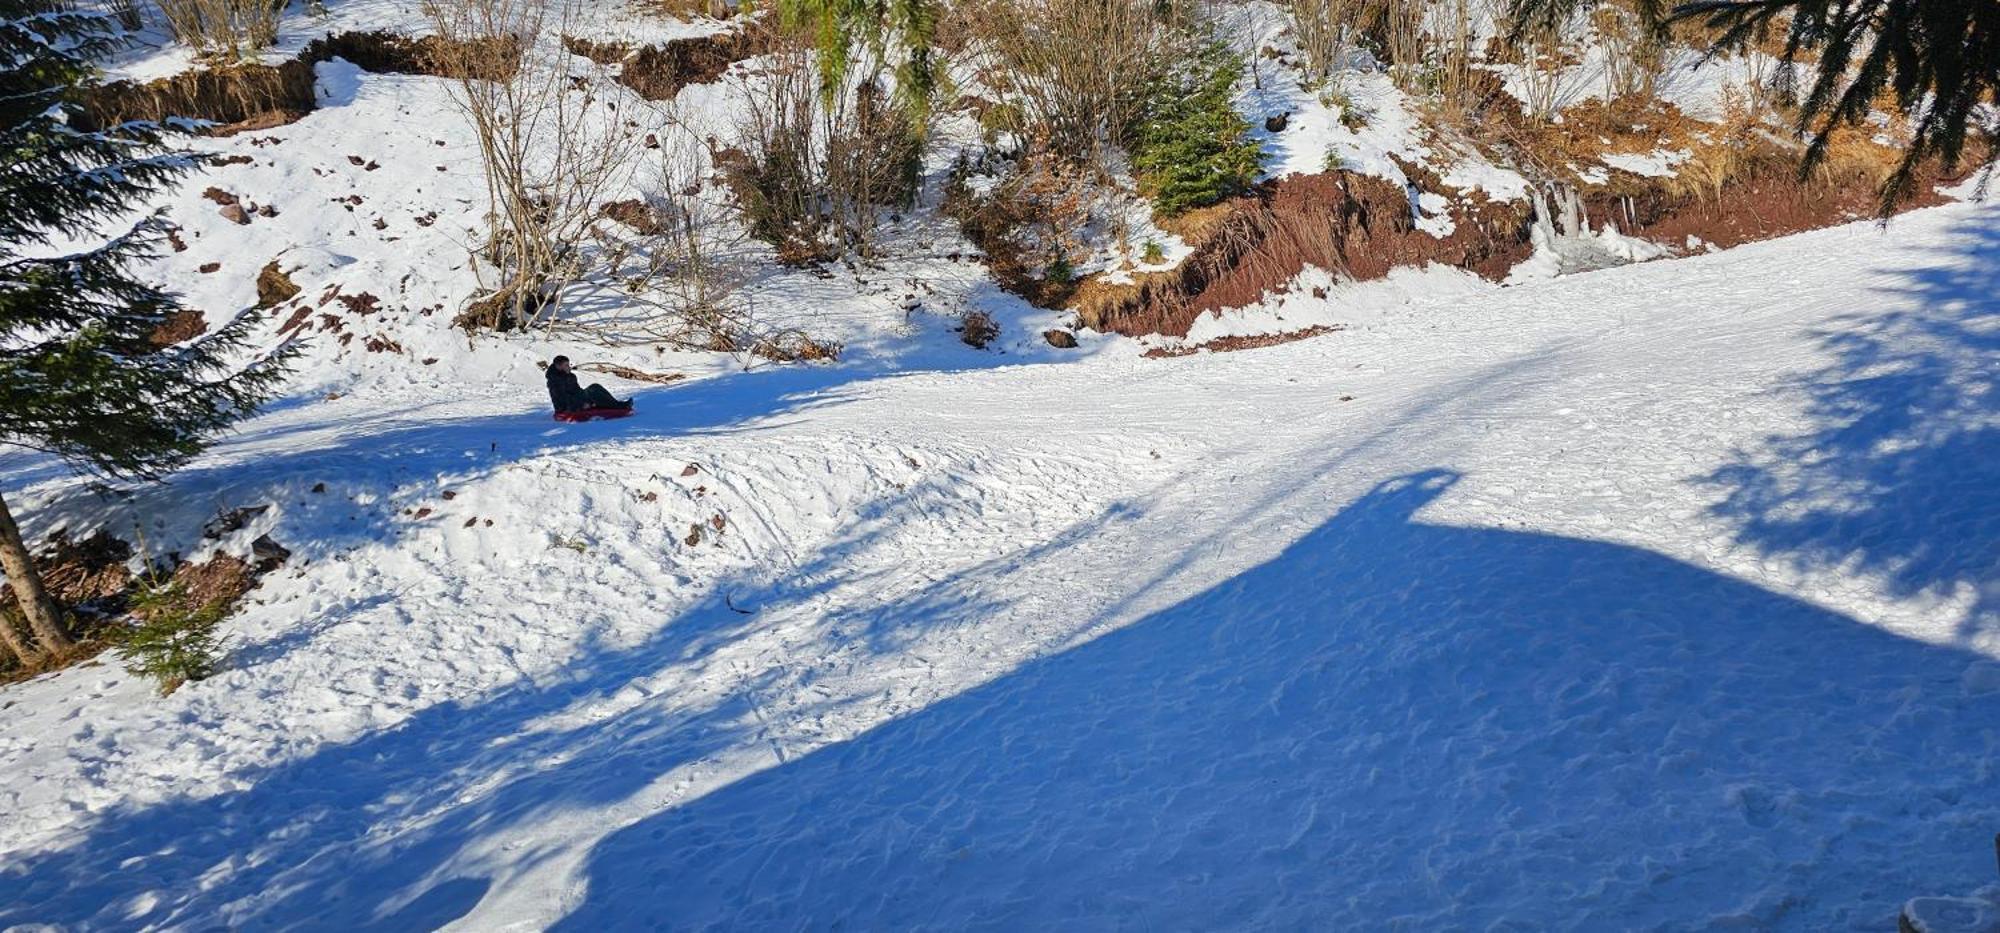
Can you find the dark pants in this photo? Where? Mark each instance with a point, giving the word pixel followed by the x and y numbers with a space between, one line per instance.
pixel 597 396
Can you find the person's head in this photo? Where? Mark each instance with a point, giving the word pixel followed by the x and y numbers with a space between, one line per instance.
pixel 560 364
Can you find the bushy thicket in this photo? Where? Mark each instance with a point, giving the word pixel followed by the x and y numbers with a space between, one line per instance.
pixel 1191 148
pixel 815 172
pixel 1076 73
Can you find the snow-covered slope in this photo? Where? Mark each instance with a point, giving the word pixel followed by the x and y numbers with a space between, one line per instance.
pixel 1660 596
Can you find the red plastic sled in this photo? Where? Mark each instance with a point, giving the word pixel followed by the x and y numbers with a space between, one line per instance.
pixel 588 414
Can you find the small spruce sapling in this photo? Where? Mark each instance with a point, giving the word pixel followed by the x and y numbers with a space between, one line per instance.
pixel 175 642
pixel 1191 148
pixel 1059 271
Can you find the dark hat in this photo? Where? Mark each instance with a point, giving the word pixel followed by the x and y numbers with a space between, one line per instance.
pixel 559 359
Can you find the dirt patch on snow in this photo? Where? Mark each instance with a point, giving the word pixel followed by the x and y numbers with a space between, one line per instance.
pixel 1242 342
pixel 178 327
pixel 1362 226
pixel 274 287
pixel 255 96
pixel 659 72
pixel 1357 225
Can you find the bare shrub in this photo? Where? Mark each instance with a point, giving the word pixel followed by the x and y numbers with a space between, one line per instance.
pixel 817 168
pixel 1634 56
pixel 1080 69
pixel 550 151
pixel 1395 28
pixel 1549 78
pixel 223 30
pixel 1454 78
pixel 1034 220
pixel 670 267
pixel 1325 30
pixel 977 329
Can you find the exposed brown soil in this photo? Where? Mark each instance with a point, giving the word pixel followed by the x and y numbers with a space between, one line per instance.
pixel 1770 202
pixel 233 97
pixel 252 96
pixel 658 72
pixel 1246 342
pixel 221 578
pixel 80 572
pixel 274 287
pixel 183 325
pixel 1357 225
pixel 1360 226
pixel 391 53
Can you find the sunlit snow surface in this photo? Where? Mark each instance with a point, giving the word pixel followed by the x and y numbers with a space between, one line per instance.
pixel 1662 596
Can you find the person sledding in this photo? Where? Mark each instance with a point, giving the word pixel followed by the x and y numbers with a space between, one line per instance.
pixel 575 403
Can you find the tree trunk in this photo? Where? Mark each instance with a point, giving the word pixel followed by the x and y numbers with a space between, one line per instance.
pixel 43 616
pixel 16 643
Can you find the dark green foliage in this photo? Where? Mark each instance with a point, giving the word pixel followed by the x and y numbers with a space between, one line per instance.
pixel 174 642
pixel 1190 148
pixel 1938 59
pixel 80 373
pixel 1059 271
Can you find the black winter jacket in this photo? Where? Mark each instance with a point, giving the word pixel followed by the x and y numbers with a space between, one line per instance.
pixel 564 392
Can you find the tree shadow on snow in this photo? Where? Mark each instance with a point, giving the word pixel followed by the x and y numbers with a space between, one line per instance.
pixel 376 833
pixel 1899 472
pixel 1391 721
pixel 360 835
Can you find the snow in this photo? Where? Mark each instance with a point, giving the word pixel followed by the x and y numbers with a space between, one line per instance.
pixel 1315 136
pixel 1656 164
pixel 1319 298
pixel 1659 596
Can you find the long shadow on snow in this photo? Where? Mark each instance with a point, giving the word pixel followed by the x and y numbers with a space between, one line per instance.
pixel 1390 721
pixel 350 836
pixel 1899 473
pixel 378 833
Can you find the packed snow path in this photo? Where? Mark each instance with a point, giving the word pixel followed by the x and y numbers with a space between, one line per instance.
pixel 1663 596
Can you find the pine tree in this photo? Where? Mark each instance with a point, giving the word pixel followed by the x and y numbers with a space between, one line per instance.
pixel 81 374
pixel 1939 60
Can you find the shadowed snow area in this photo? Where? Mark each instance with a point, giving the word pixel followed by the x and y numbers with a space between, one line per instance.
pixel 1657 597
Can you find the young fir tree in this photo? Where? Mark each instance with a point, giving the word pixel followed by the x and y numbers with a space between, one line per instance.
pixel 1190 148
pixel 81 374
